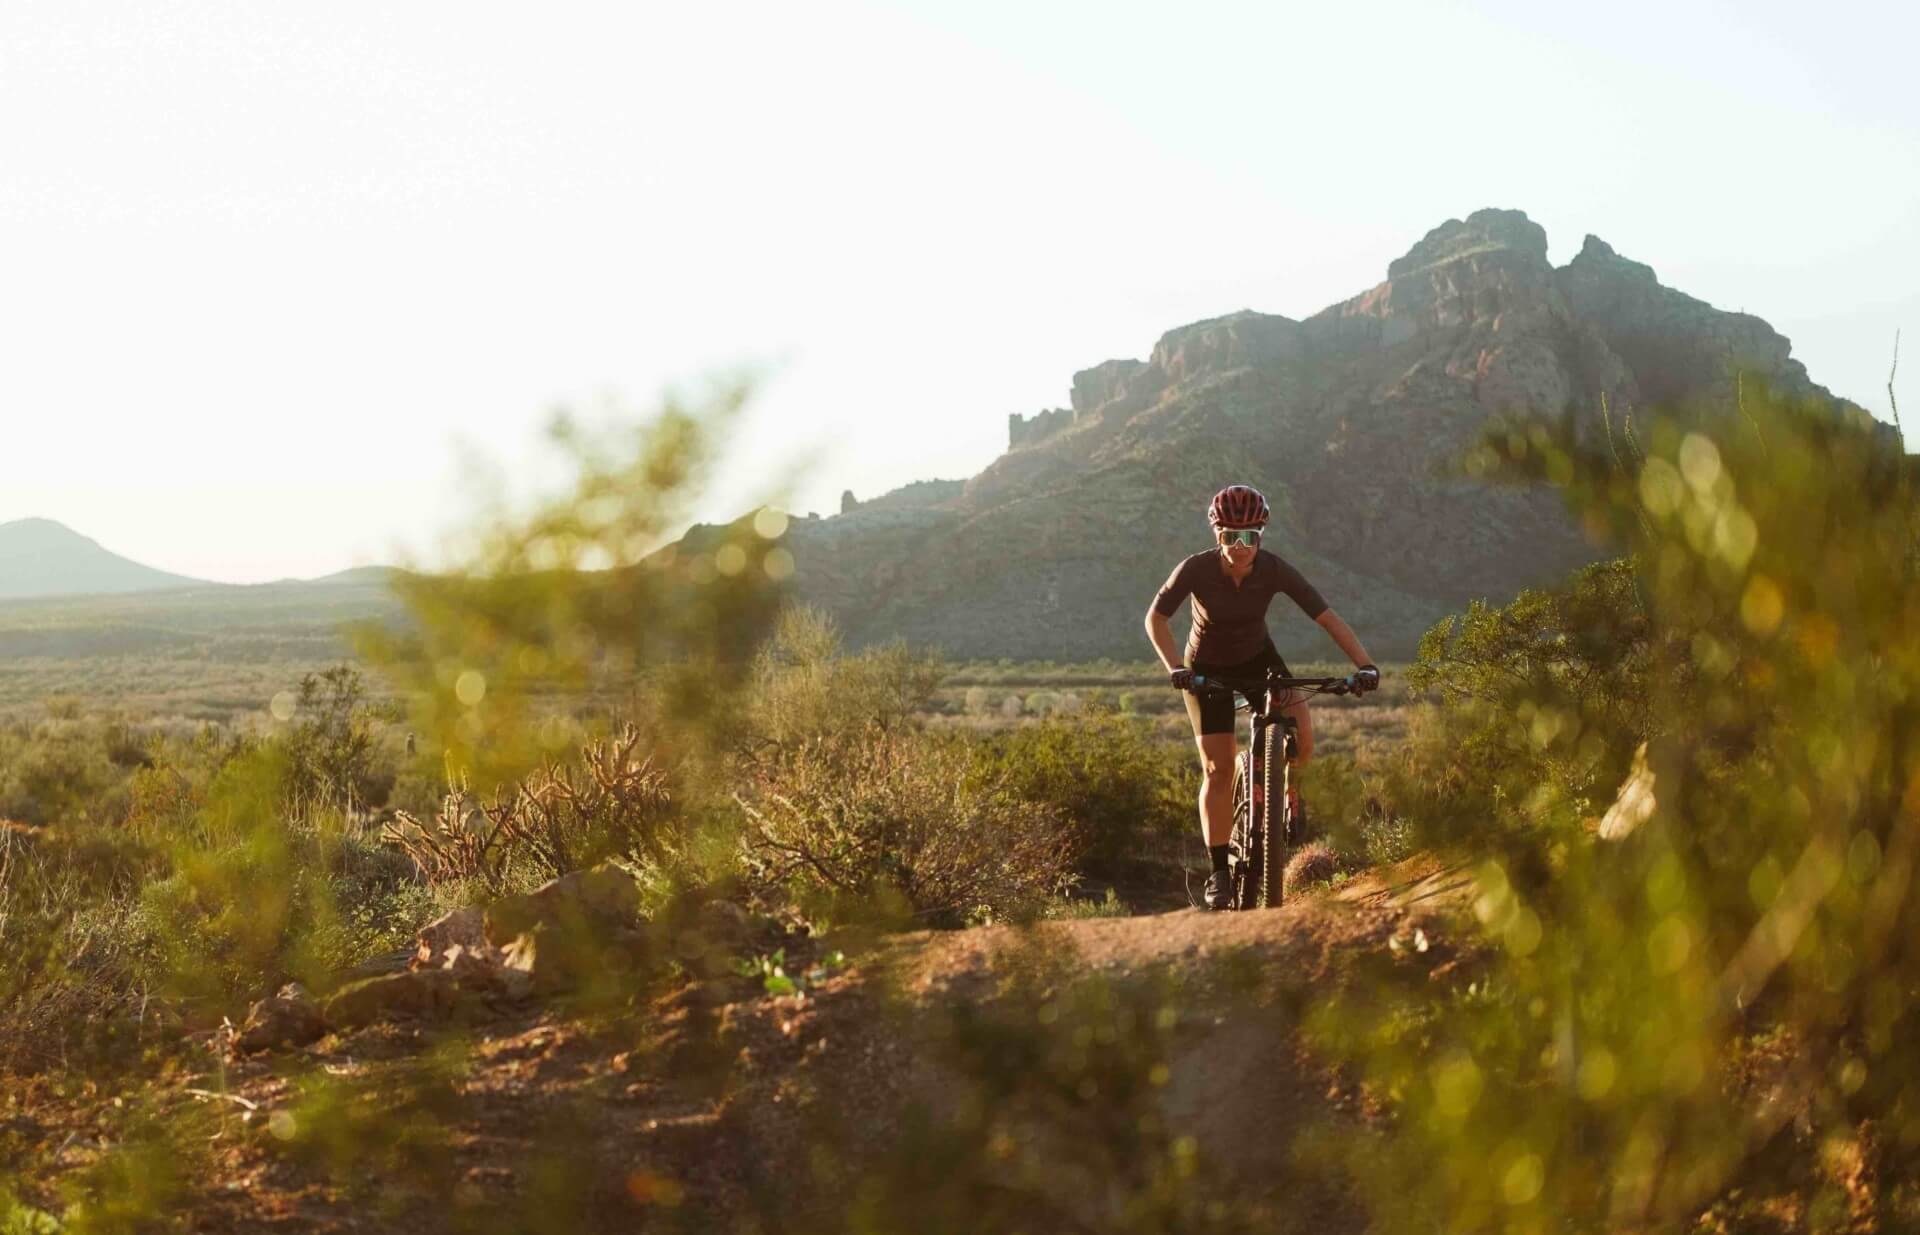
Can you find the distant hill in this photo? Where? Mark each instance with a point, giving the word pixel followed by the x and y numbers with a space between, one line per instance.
pixel 39 557
pixel 44 558
pixel 1342 419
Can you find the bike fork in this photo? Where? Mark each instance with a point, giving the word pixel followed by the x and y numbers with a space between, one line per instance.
pixel 1257 781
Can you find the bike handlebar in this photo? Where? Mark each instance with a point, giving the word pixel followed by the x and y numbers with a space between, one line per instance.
pixel 1274 681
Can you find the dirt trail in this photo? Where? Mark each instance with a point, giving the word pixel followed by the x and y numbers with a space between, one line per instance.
pixel 697 1110
pixel 1312 930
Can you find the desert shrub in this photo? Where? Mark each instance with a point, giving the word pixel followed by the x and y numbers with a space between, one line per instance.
pixel 205 897
pixel 60 771
pixel 1081 908
pixel 1513 681
pixel 234 920
pixel 162 801
pixel 610 800
pixel 1754 876
pixel 42 992
pixel 332 751
pixel 807 688
pixel 1385 835
pixel 901 818
pixel 1106 773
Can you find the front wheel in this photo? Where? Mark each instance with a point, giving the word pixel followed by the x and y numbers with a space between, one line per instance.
pixel 1242 846
pixel 1275 822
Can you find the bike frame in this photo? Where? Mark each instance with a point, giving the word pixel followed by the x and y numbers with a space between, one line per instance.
pixel 1257 850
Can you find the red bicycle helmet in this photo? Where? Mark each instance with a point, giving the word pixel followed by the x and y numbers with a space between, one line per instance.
pixel 1238 506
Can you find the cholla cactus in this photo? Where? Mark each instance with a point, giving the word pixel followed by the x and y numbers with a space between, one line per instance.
pixel 610 801
pixel 1315 863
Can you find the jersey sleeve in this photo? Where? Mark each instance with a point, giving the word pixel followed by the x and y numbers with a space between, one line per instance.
pixel 1176 589
pixel 1304 594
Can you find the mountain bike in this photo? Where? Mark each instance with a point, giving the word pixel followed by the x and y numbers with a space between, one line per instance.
pixel 1257 849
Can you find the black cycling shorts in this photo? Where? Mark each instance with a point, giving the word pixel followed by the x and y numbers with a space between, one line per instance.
pixel 1212 711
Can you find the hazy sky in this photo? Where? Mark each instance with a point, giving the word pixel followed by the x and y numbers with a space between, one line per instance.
pixel 262 266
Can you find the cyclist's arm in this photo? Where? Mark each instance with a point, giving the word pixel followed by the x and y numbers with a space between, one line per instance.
pixel 1173 593
pixel 1315 606
pixel 1160 631
pixel 1343 635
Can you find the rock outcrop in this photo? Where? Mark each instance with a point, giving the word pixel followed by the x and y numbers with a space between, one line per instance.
pixel 1344 420
pixel 1031 430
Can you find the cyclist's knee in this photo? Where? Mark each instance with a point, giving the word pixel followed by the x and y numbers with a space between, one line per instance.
pixel 1216 759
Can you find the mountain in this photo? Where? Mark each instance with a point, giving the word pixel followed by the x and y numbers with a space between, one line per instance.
pixel 1342 419
pixel 39 557
pixel 44 558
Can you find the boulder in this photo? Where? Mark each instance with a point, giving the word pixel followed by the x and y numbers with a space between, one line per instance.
pixel 544 961
pixel 727 924
pixel 549 958
pixel 427 993
pixel 290 1018
pixel 463 928
pixel 375 966
pixel 601 899
pixel 480 973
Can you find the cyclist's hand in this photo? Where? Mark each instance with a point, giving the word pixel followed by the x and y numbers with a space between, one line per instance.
pixel 1366 678
pixel 1182 679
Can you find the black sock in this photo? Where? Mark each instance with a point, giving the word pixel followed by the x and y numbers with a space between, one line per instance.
pixel 1219 855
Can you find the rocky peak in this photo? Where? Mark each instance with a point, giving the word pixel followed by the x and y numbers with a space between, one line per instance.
pixel 1679 348
pixel 1231 342
pixel 1482 231
pixel 1102 383
pixel 1597 255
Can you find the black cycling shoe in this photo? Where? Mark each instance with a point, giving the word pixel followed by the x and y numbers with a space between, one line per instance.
pixel 1219 893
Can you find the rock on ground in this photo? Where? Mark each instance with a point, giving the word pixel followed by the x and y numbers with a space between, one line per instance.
pixel 462 928
pixel 602 897
pixel 290 1018
pixel 414 993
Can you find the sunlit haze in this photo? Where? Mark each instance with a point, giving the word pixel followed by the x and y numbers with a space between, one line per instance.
pixel 265 268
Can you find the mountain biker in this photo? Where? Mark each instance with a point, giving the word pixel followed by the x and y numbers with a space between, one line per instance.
pixel 1231 586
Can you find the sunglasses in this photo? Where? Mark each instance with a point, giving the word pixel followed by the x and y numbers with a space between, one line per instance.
pixel 1240 536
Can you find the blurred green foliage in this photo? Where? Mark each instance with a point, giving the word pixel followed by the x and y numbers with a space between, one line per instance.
pixel 1751 879
pixel 588 593
pixel 1047 1114
pixel 1683 784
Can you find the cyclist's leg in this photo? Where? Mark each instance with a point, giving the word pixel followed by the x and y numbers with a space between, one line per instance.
pixel 1296 707
pixel 1294 704
pixel 1212 719
pixel 1217 751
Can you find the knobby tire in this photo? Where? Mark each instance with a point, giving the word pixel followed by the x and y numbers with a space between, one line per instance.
pixel 1273 856
pixel 1241 840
